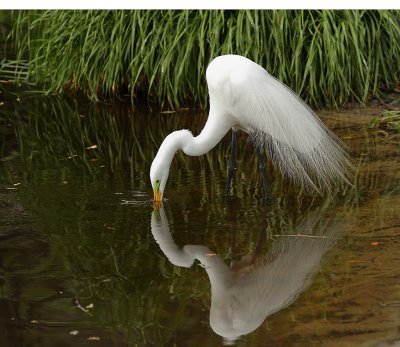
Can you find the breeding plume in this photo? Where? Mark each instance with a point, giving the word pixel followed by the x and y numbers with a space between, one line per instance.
pixel 243 96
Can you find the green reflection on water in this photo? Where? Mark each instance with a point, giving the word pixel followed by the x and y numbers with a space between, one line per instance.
pixel 76 222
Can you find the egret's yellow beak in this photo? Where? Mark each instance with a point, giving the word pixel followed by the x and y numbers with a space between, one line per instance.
pixel 157 192
pixel 157 196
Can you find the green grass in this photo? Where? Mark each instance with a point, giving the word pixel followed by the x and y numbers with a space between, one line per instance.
pixel 328 57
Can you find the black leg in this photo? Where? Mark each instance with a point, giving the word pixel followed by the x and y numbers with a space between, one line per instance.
pixel 263 231
pixel 232 164
pixel 263 171
pixel 233 225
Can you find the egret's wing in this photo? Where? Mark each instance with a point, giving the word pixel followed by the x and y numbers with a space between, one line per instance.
pixel 289 131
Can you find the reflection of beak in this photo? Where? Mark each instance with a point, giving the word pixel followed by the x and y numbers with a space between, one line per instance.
pixel 157 195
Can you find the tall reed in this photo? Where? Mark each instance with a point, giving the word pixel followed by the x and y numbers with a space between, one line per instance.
pixel 328 57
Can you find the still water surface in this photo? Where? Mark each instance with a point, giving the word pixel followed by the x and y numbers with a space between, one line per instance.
pixel 86 260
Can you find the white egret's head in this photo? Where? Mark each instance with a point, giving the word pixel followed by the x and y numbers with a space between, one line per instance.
pixel 159 170
pixel 158 176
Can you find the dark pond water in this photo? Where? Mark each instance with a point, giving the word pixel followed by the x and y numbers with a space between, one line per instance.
pixel 86 260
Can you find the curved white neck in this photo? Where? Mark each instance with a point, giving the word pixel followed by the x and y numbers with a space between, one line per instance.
pixel 212 133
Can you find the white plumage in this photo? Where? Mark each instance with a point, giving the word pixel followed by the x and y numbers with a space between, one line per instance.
pixel 244 96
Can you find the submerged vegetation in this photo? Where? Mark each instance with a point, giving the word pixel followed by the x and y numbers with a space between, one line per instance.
pixel 387 121
pixel 328 57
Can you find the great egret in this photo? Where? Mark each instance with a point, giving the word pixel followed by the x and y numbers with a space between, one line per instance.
pixel 245 96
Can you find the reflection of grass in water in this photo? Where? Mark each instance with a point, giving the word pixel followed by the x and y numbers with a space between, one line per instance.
pixel 105 244
pixel 62 131
pixel 52 130
pixel 326 56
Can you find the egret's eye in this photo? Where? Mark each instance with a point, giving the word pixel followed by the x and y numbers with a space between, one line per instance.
pixel 158 181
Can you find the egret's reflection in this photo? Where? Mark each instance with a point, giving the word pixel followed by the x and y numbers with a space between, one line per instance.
pixel 256 286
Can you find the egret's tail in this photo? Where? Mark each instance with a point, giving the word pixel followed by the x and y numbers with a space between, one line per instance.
pixel 293 137
pixel 323 167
